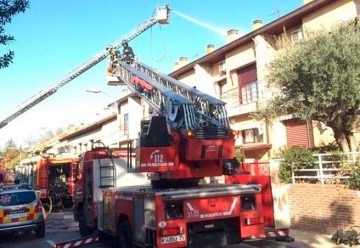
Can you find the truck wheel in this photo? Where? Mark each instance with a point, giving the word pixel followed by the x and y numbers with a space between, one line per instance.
pixel 125 236
pixel 40 231
pixel 84 230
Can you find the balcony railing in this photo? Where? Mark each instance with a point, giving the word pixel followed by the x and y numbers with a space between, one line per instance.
pixel 234 106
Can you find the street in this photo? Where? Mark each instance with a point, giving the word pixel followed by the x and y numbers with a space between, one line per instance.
pixel 61 227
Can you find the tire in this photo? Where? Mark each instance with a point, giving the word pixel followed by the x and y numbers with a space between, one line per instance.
pixel 40 231
pixel 84 230
pixel 125 235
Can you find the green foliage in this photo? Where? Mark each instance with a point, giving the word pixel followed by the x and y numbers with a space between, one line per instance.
pixel 354 181
pixel 318 78
pixel 10 155
pixel 332 148
pixel 9 8
pixel 295 158
pixel 240 155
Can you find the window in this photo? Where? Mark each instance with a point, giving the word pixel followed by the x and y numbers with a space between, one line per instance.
pixel 222 68
pixel 252 136
pixel 17 198
pixel 126 123
pixel 248 203
pixel 174 210
pixel 248 84
pixel 249 92
pixel 221 86
pixel 297 34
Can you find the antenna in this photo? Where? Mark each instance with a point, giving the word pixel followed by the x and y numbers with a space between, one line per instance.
pixel 275 12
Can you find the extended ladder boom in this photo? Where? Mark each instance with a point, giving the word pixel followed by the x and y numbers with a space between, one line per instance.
pixel 161 16
pixel 211 108
pixel 184 107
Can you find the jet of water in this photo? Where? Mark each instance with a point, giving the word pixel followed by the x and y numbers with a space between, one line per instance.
pixel 203 24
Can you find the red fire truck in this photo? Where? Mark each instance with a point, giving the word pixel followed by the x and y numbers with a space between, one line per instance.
pixel 189 139
pixel 53 176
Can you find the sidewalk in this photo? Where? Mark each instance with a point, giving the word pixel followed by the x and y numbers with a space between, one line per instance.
pixel 304 239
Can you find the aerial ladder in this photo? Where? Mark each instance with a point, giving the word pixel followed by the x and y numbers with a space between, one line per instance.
pixel 185 107
pixel 160 16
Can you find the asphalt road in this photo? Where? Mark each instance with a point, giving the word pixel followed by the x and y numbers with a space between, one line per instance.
pixel 61 227
pixel 29 240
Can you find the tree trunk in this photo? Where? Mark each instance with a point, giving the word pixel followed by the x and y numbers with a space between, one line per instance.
pixel 352 141
pixel 340 138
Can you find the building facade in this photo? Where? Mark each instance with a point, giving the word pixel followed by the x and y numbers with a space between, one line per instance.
pixel 236 73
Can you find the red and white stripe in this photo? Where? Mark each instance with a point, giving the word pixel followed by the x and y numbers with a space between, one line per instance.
pixel 271 234
pixel 74 243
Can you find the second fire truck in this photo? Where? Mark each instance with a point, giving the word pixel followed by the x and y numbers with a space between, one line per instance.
pixel 52 176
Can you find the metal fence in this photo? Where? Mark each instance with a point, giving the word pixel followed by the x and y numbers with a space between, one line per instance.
pixel 330 167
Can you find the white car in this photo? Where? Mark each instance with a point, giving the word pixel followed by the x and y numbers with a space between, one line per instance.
pixel 21 210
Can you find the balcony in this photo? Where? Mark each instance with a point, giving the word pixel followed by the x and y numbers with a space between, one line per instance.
pixel 234 106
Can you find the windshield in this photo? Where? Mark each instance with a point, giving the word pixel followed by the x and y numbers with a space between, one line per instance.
pixel 17 198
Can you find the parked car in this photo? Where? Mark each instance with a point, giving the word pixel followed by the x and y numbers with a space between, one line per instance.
pixel 21 210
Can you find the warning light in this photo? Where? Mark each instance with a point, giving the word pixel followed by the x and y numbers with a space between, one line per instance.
pixel 189 133
pixel 110 70
pixel 234 133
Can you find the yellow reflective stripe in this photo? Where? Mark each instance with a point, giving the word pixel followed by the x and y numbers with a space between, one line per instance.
pixel 22 219
pixel 31 210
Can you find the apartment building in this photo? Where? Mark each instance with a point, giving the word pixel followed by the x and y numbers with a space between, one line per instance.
pixel 236 73
pixel 113 128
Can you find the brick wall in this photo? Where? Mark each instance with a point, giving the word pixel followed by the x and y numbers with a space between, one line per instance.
pixel 323 208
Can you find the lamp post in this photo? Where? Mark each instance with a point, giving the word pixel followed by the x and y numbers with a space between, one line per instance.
pixel 96 91
pixel 112 109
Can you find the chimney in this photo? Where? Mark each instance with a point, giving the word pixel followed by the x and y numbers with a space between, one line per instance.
pixel 210 48
pixel 232 35
pixel 182 62
pixel 257 24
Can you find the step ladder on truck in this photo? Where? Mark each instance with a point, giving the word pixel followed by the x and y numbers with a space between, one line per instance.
pixel 156 198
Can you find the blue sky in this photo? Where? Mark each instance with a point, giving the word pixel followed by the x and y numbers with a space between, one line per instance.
pixel 53 37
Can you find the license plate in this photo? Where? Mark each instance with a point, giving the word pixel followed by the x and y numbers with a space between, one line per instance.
pixel 173 239
pixel 18 215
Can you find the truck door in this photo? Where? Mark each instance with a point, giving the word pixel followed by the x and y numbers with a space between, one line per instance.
pixel 43 175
